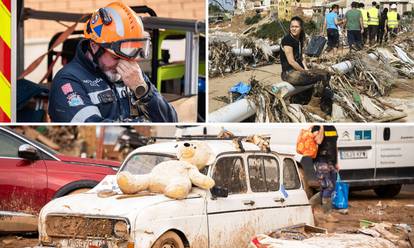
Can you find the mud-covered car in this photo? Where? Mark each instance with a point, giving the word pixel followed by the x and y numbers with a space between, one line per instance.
pixel 255 192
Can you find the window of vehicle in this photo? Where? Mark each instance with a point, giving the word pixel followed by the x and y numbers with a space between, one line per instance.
pixel 9 145
pixel 263 173
pixel 229 172
pixel 290 175
pixel 142 163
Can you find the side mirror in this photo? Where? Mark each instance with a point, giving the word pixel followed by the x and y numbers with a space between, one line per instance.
pixel 28 152
pixel 218 191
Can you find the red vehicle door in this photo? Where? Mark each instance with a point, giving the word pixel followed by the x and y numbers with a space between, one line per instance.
pixel 23 183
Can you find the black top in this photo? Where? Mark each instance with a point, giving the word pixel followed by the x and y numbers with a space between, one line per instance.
pixel 383 18
pixel 288 40
pixel 327 150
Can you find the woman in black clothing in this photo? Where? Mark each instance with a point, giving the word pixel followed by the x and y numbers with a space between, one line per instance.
pixel 295 71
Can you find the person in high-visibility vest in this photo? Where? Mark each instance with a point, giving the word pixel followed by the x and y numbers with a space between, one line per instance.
pixel 392 22
pixel 364 13
pixel 373 22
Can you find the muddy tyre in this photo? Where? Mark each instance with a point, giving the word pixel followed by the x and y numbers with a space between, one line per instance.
pixel 169 240
pixel 388 191
pixel 309 191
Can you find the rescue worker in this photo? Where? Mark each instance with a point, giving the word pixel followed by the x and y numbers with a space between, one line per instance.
pixel 326 164
pixel 364 13
pixel 295 71
pixel 392 22
pixel 104 82
pixel 373 22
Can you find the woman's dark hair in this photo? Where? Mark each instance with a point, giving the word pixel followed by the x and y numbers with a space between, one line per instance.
pixel 385 10
pixel 335 6
pixel 302 28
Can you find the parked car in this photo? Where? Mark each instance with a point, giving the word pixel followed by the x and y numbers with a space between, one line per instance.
pixel 255 192
pixel 32 174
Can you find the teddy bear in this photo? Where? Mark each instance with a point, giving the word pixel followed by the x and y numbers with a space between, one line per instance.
pixel 173 178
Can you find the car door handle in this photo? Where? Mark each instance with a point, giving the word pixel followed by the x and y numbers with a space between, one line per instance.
pixel 281 200
pixel 250 202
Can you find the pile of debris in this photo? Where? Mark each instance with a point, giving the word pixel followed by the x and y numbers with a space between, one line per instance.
pixel 60 138
pixel 358 80
pixel 238 54
pixel 381 235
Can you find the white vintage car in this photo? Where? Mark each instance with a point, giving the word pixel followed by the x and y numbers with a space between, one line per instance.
pixel 256 192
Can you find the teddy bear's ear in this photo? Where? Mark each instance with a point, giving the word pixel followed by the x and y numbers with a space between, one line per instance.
pixel 206 147
pixel 211 159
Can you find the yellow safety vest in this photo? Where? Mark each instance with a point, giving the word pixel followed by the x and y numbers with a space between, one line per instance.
pixel 373 16
pixel 364 13
pixel 392 18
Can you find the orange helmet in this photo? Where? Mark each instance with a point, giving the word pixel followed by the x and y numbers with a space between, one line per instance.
pixel 118 29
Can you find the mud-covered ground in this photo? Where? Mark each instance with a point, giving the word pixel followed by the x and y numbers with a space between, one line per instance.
pixel 363 205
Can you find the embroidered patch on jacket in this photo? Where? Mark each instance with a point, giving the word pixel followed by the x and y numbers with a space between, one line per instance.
pixel 93 83
pixel 67 88
pixel 74 100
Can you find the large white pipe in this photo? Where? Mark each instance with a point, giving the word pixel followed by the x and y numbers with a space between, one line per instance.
pixel 243 109
pixel 246 52
pixel 275 48
pixel 233 112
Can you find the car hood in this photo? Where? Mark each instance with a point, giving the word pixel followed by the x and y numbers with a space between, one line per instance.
pixel 120 205
pixel 88 161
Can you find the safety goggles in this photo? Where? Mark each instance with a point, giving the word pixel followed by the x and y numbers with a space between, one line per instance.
pixel 130 48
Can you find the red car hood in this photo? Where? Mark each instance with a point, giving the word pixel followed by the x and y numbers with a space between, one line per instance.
pixel 71 159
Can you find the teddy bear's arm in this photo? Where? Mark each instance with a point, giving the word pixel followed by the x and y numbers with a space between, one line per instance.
pixel 131 184
pixel 199 179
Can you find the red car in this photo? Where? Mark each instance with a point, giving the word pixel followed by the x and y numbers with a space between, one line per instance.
pixel 32 174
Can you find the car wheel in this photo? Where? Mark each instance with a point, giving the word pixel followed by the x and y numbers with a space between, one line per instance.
pixel 169 240
pixel 78 191
pixel 388 191
pixel 309 191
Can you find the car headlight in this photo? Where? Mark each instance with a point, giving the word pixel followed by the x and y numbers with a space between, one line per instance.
pixel 121 229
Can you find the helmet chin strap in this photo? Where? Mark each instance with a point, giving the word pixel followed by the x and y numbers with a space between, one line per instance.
pixel 97 55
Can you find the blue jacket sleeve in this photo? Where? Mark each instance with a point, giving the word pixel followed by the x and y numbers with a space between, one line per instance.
pixel 69 102
pixel 155 107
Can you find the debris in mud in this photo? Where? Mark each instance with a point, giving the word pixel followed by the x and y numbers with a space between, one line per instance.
pixel 231 54
pixel 379 235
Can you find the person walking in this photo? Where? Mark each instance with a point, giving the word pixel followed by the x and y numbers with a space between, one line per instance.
pixel 326 164
pixel 373 22
pixel 381 27
pixel 392 21
pixel 331 24
pixel 354 25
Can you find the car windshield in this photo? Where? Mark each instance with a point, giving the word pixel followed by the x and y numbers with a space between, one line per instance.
pixel 142 163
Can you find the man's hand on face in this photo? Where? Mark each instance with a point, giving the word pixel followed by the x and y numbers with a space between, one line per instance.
pixel 131 73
